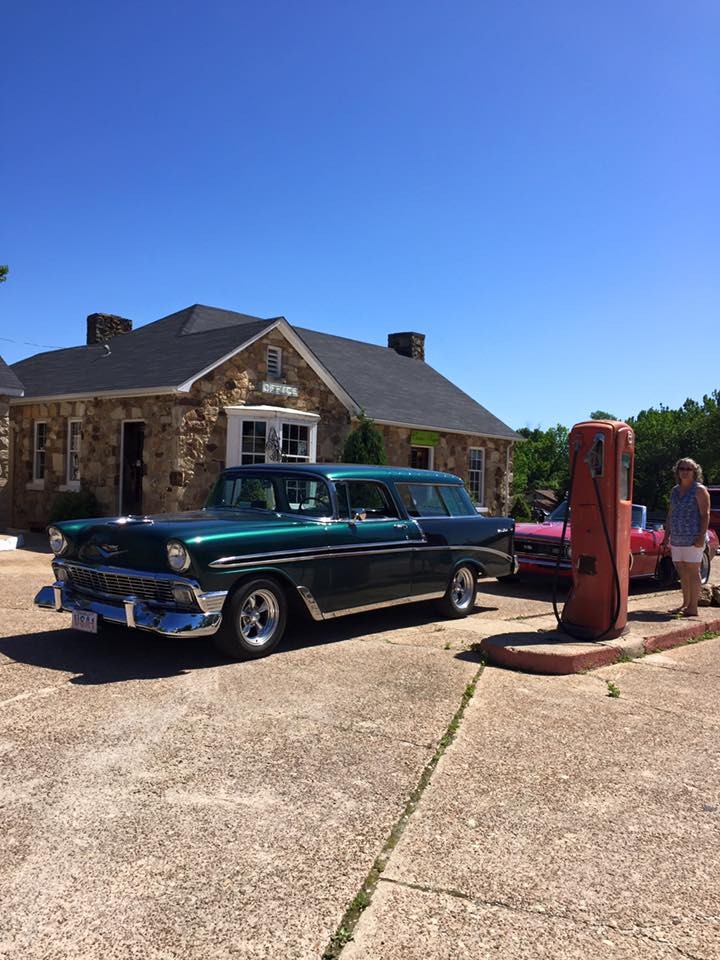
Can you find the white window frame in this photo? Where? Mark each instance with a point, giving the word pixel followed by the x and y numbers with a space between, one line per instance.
pixel 38 482
pixel 425 446
pixel 477 490
pixel 70 483
pixel 273 417
pixel 274 365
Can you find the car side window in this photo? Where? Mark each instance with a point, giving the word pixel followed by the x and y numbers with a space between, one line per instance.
pixel 457 501
pixel 423 500
pixel 365 498
pixel 307 496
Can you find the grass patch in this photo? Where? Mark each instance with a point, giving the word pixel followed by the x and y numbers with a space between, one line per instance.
pixel 613 689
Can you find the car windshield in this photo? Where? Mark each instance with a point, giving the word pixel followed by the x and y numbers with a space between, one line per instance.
pixel 286 494
pixel 558 514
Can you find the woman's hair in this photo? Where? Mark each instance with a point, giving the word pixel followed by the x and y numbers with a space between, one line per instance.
pixel 686 461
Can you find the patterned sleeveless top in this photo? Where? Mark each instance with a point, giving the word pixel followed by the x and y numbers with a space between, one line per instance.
pixel 684 516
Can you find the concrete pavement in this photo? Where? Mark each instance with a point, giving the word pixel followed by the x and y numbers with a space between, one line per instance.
pixel 159 802
pixel 566 823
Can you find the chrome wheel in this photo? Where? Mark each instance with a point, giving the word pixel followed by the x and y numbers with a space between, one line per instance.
pixel 258 617
pixel 462 589
pixel 459 597
pixel 254 618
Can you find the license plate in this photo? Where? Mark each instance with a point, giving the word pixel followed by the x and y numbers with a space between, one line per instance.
pixel 85 620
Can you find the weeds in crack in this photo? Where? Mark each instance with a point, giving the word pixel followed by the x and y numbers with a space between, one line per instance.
pixel 363 898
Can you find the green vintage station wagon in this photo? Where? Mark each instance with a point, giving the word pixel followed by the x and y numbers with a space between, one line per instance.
pixel 272 538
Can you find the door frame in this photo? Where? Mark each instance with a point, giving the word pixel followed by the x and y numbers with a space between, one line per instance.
pixel 121 465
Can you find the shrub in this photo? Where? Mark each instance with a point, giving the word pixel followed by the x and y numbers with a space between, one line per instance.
pixel 74 505
pixel 365 443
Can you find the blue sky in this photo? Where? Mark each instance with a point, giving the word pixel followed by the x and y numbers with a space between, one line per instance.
pixel 532 185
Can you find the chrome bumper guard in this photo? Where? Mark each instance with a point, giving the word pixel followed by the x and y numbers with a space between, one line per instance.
pixel 131 612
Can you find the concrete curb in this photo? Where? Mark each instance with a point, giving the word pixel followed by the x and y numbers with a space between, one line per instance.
pixel 551 653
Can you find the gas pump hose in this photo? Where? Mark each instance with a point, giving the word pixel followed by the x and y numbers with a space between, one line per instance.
pixel 616 610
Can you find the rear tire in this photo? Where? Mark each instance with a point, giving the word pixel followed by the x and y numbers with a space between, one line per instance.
pixel 254 620
pixel 705 565
pixel 459 598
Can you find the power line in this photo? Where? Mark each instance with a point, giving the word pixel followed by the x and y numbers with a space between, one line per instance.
pixel 28 343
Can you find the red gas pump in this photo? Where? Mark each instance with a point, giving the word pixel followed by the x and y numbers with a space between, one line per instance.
pixel 602 457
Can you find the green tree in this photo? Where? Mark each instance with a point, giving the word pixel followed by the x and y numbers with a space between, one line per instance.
pixel 542 462
pixel 602 415
pixel 364 444
pixel 4 270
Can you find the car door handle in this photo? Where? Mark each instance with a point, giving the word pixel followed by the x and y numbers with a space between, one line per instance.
pixel 400 526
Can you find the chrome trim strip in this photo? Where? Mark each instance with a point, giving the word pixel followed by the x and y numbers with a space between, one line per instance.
pixel 312 553
pixel 355 550
pixel 129 606
pixel 365 608
pixel 310 603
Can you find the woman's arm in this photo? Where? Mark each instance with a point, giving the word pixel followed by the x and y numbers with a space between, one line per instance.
pixel 703 502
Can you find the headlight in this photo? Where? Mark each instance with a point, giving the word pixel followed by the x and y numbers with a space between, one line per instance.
pixel 178 557
pixel 58 543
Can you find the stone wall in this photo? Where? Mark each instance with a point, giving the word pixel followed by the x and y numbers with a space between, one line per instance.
pixel 4 465
pixel 186 436
pixel 100 453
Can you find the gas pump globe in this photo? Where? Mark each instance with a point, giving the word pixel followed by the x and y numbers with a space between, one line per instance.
pixel 602 457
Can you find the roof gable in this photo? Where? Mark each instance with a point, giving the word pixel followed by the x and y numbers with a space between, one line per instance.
pixel 10 385
pixel 172 353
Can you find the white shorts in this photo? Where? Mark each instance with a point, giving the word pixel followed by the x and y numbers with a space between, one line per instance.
pixel 686 554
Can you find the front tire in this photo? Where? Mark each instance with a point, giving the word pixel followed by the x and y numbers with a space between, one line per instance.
pixel 459 598
pixel 254 620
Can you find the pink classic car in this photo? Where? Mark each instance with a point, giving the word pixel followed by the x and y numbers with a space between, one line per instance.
pixel 538 546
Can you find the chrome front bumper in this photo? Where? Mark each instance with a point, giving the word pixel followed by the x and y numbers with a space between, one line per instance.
pixel 130 612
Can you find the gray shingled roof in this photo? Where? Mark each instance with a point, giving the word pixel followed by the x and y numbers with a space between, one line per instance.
pixel 391 387
pixel 10 386
pixel 165 353
pixel 177 348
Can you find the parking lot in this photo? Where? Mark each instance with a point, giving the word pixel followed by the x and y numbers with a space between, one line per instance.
pixel 159 801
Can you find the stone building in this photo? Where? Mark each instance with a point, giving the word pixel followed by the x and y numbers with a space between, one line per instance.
pixel 146 418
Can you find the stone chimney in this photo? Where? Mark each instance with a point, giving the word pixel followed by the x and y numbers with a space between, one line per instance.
pixel 408 344
pixel 102 327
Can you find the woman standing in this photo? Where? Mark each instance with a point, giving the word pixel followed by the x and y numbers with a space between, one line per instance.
pixel 686 530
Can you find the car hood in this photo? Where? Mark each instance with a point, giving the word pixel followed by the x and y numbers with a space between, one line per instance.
pixel 141 541
pixel 548 531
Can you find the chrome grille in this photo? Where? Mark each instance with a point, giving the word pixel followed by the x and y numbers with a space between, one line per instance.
pixel 539 548
pixel 88 580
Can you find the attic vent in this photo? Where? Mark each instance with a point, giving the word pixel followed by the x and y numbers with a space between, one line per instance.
pixel 274 362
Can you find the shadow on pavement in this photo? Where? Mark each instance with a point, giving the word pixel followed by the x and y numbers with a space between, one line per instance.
pixel 116 654
pixel 113 655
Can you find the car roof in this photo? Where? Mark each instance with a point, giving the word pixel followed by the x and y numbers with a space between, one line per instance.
pixel 349 471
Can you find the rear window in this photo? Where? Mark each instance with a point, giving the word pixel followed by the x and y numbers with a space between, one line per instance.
pixel 715 499
pixel 435 500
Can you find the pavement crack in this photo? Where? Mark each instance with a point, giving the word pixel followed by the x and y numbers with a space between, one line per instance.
pixel 363 897
pixel 636 934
